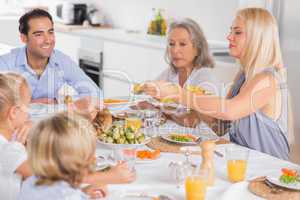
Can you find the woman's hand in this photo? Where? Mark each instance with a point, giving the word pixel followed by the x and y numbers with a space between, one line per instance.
pixel 121 174
pixel 21 133
pixel 162 89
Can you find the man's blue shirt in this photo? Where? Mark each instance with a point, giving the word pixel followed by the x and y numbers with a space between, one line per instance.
pixel 59 70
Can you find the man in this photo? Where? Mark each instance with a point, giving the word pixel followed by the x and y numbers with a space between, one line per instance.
pixel 46 69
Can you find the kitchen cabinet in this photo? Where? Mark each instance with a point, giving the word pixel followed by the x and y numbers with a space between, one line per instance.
pixel 68 44
pixel 125 64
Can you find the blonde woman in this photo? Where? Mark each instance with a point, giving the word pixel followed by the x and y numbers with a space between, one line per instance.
pixel 15 96
pixel 257 103
pixel 61 151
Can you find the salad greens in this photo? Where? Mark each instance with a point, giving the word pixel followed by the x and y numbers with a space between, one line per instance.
pixel 118 134
pixel 289 176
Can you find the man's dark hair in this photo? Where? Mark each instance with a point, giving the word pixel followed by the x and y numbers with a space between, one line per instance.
pixel 35 13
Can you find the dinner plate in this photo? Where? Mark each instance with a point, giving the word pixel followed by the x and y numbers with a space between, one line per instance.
pixel 239 191
pixel 168 138
pixel 274 179
pixel 125 102
pixel 116 146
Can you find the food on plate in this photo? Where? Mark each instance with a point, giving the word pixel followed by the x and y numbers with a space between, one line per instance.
pixel 112 101
pixel 289 176
pixel 103 120
pixel 68 99
pixel 167 100
pixel 195 89
pixel 148 154
pixel 182 137
pixel 137 88
pixel 119 134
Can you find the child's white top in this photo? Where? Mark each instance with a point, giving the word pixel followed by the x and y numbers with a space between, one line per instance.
pixel 12 155
pixel 60 190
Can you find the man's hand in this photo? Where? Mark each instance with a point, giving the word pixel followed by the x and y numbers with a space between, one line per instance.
pixel 88 106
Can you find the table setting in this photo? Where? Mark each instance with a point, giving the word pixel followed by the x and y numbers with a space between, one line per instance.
pixel 168 159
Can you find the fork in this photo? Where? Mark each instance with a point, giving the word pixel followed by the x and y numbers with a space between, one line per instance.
pixel 274 189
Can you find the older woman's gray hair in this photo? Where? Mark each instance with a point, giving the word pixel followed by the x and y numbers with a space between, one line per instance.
pixel 203 58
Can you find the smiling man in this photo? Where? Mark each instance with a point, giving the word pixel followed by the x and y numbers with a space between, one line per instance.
pixel 45 68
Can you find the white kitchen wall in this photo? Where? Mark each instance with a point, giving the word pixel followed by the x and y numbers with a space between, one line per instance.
pixel 214 16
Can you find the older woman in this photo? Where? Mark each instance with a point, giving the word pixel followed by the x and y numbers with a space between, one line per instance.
pixel 257 102
pixel 190 64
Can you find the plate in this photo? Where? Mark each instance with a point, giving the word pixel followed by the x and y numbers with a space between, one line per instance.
pixel 239 191
pixel 274 179
pixel 122 102
pixel 116 146
pixel 168 138
pixel 146 160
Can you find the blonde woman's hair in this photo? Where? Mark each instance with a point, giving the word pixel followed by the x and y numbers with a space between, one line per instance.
pixel 61 147
pixel 262 47
pixel 203 58
pixel 11 91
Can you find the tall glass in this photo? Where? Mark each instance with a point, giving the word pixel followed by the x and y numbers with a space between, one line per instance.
pixel 127 155
pixel 237 159
pixel 134 123
pixel 195 185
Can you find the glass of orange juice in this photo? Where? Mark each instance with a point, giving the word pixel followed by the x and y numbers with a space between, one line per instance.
pixel 237 159
pixel 134 123
pixel 195 186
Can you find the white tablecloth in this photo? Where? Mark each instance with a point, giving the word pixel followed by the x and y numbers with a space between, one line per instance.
pixel 154 177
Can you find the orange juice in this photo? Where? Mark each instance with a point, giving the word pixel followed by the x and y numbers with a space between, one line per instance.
pixel 195 188
pixel 134 123
pixel 236 170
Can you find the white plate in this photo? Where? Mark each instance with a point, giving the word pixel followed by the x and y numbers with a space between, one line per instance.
pixel 116 146
pixel 146 161
pixel 274 179
pixel 167 138
pixel 131 100
pixel 239 191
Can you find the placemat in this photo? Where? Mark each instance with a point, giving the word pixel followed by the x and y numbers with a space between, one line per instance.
pixel 260 188
pixel 158 143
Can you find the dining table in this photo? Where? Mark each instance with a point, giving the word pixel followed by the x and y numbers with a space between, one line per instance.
pixel 155 177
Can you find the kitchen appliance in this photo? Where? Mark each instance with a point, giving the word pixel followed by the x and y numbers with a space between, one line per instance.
pixel 90 57
pixel 95 17
pixel 69 13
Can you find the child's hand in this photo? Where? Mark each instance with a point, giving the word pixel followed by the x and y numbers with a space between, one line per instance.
pixel 96 191
pixel 21 133
pixel 122 174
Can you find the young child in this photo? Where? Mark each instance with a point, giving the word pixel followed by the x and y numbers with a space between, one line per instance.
pixel 15 97
pixel 61 150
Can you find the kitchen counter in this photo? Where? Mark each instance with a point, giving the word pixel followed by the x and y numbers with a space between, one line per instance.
pixel 119 35
pixel 141 39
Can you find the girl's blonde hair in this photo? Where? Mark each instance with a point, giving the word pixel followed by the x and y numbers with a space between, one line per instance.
pixel 262 47
pixel 11 91
pixel 61 147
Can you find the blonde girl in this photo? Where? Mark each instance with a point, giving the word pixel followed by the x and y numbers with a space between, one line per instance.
pixel 15 96
pixel 61 150
pixel 257 104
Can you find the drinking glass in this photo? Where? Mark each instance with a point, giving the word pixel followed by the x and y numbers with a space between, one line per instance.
pixel 237 159
pixel 179 170
pixel 196 184
pixel 127 155
pixel 134 123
